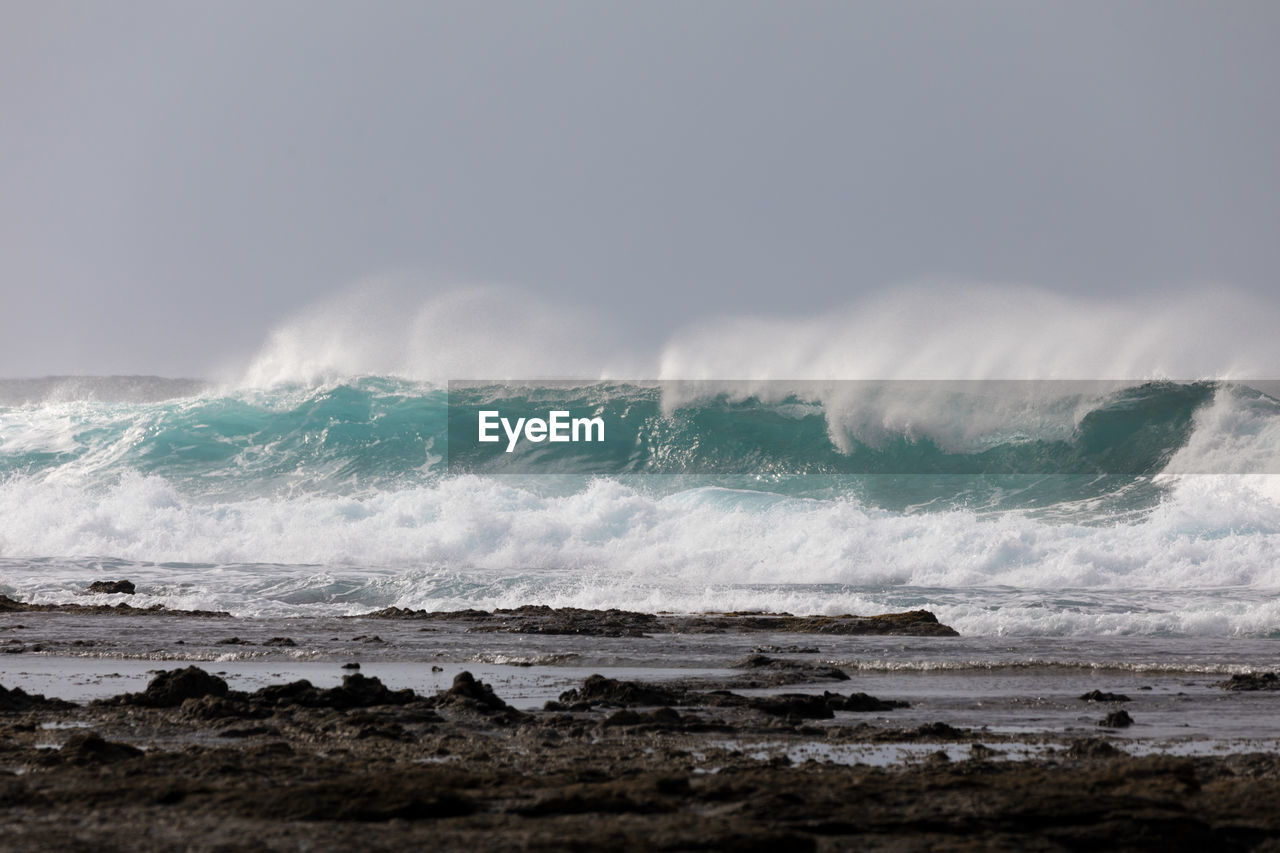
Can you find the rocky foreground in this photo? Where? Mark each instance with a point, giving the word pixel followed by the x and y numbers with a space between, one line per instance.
pixel 191 764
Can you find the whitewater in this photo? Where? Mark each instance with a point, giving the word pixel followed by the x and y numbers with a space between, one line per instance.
pixel 793 476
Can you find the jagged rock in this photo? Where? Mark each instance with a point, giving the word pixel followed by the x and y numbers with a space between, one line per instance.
pixel 10 605
pixel 1116 720
pixel 940 730
pixel 1252 681
pixel 541 619
pixel 468 692
pixel 1092 748
pixel 120 586
pixel 862 702
pixel 1099 696
pixel 171 688
pixel 662 717
pixel 794 669
pixel 801 705
pixel 219 707
pixel 357 691
pixel 817 707
pixel 90 748
pixel 18 700
pixel 598 690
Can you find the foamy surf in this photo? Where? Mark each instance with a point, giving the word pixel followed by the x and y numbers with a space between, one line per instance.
pixel 323 481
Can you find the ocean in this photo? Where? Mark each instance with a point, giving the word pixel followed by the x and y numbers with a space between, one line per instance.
pixel 1146 508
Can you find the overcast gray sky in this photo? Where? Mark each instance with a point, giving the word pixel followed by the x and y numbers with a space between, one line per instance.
pixel 177 177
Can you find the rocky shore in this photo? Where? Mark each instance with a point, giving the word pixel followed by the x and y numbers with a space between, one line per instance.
pixel 188 763
pixel 768 745
pixel 540 619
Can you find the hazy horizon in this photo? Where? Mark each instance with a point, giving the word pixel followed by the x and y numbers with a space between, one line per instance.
pixel 176 182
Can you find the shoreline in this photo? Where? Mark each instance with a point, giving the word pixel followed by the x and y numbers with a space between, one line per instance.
pixel 191 764
pixel 543 619
pixel 416 729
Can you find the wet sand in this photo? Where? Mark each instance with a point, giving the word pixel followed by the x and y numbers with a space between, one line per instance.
pixel 749 736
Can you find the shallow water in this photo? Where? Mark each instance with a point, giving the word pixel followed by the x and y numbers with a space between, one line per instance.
pixel 1027 687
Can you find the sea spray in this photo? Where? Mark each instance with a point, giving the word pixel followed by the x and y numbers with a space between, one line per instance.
pixel 792 464
pixel 336 499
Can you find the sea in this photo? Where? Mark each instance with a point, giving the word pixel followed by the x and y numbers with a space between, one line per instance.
pixel 1144 508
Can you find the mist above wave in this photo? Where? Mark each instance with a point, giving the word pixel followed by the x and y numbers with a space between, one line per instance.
pixel 935 331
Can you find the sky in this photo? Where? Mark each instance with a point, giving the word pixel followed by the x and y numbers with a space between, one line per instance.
pixel 177 179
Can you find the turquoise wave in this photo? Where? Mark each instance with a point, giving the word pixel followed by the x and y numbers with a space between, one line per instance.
pixel 380 433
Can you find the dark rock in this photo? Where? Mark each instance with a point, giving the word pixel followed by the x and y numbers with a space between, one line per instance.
pixel 911 623
pixel 406 613
pixel 90 748
pixel 625 717
pixel 1252 681
pixel 9 605
pixel 356 691
pixel 219 707
pixel 1099 696
pixel 121 586
pixel 862 703
pixel 470 693
pixel 18 700
pixel 171 688
pixel 280 641
pixel 1092 748
pixel 660 717
pixel 800 705
pixel 598 690
pixel 791 671
pixel 666 716
pixel 363 692
pixel 300 692
pixel 1116 720
pixel 540 619
pixel 351 665
pixel 233 641
pixel 940 730
pixel 981 752
pixel 357 797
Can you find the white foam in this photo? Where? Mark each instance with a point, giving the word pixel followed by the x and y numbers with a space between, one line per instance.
pixel 1238 434
pixel 469 541
pixel 474 542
